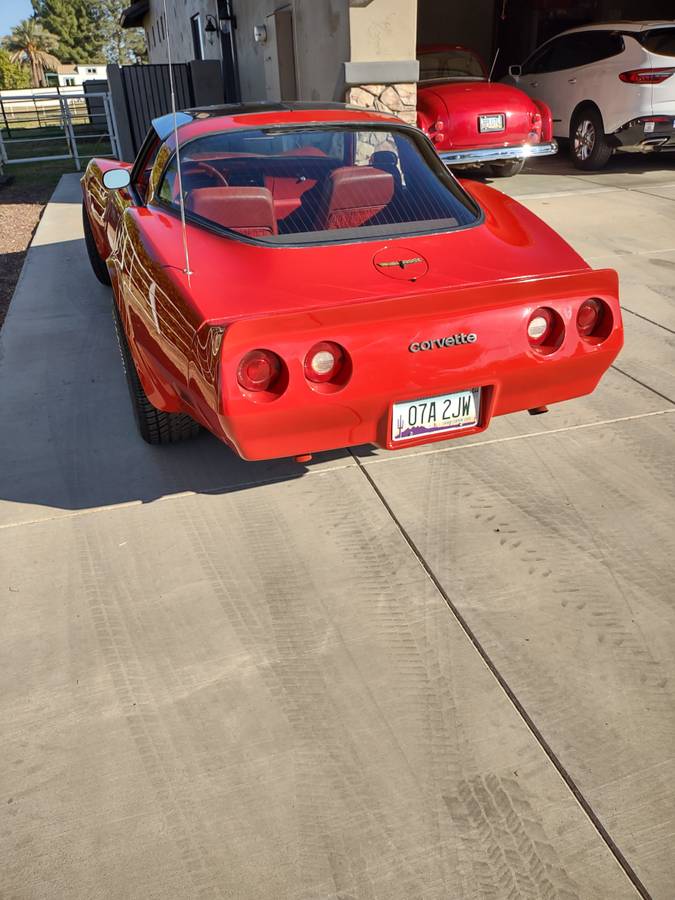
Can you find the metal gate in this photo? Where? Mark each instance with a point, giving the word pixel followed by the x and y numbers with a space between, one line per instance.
pixel 80 123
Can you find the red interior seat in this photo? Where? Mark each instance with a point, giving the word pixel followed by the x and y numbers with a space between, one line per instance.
pixel 287 193
pixel 248 210
pixel 355 194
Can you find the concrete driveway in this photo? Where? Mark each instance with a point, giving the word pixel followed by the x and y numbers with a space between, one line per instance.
pixel 440 674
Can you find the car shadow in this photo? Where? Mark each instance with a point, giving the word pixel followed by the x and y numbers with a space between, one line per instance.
pixel 69 440
pixel 561 164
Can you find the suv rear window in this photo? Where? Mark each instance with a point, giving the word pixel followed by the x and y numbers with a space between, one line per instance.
pixel 659 40
pixel 304 185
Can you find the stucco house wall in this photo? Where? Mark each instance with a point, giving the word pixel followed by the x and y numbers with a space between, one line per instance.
pixel 178 16
pixel 361 51
pixel 321 38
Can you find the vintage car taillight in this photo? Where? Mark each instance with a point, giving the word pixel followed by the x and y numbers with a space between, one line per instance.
pixel 258 370
pixel 324 362
pixel 594 320
pixel 437 131
pixel 545 330
pixel 536 123
pixel 646 76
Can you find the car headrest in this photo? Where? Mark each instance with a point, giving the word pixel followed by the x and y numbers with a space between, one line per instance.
pixel 356 194
pixel 384 159
pixel 248 210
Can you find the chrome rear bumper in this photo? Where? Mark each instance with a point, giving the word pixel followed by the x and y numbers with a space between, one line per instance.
pixel 497 154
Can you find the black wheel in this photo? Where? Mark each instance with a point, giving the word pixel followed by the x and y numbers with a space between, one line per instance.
pixel 155 426
pixel 507 169
pixel 588 144
pixel 97 264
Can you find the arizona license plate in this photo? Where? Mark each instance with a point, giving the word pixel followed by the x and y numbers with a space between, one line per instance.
pixel 434 415
pixel 492 123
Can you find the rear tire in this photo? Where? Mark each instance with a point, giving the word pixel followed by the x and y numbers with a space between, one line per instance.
pixel 588 145
pixel 507 169
pixel 155 425
pixel 98 265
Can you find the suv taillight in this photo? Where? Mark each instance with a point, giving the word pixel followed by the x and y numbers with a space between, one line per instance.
pixel 646 76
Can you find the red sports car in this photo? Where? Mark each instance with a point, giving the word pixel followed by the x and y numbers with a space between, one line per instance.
pixel 474 121
pixel 333 284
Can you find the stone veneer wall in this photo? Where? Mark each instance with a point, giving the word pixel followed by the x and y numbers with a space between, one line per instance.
pixel 399 99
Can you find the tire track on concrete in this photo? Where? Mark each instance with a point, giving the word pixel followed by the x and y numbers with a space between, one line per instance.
pixel 424 671
pixel 132 690
pixel 516 859
pixel 529 722
pixel 333 800
pixel 608 614
pixel 536 538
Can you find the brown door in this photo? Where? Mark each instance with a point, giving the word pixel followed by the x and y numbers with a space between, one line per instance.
pixel 280 80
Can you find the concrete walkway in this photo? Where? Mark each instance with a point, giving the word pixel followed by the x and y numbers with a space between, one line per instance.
pixel 443 674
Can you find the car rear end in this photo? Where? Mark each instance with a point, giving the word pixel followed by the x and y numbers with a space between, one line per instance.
pixel 648 90
pixel 397 307
pixel 477 122
pixel 406 371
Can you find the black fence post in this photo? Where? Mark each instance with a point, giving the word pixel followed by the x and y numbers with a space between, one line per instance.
pixel 119 104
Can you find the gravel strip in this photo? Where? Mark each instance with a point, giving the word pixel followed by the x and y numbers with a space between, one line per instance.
pixel 20 210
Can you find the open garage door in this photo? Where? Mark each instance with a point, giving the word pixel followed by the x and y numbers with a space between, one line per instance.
pixel 471 25
pixel 516 27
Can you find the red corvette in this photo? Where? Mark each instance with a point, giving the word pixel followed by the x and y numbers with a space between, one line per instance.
pixel 475 121
pixel 333 285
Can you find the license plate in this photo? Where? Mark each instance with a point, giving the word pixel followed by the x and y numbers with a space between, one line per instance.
pixel 492 123
pixel 435 415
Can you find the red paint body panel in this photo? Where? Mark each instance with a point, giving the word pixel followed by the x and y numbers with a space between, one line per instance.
pixel 457 104
pixel 188 337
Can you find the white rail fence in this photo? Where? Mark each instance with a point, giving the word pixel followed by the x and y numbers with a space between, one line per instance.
pixel 74 125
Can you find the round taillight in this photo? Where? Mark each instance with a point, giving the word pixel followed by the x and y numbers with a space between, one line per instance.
pixel 589 317
pixel 323 362
pixel 258 370
pixel 539 326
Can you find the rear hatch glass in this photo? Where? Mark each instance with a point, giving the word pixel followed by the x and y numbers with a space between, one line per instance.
pixel 659 40
pixel 317 184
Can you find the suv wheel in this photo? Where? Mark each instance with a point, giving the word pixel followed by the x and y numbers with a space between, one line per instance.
pixel 589 146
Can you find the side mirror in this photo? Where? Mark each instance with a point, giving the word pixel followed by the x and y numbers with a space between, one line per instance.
pixel 114 179
pixel 515 71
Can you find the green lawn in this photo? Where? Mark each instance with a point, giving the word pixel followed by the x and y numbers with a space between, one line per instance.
pixel 51 141
pixel 39 177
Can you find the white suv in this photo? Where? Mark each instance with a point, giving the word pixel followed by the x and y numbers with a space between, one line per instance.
pixel 610 86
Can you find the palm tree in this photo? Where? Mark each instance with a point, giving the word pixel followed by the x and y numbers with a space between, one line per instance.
pixel 30 44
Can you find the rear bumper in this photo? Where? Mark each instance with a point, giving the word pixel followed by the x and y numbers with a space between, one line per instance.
pixel 477 156
pixel 512 376
pixel 646 135
pixel 349 424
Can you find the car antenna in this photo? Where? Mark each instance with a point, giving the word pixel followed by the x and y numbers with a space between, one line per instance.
pixel 187 269
pixel 494 63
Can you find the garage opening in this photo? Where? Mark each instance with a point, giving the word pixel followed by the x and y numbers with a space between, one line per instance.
pixel 516 27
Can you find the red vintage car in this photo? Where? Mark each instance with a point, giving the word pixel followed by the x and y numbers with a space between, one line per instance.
pixel 474 121
pixel 333 284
